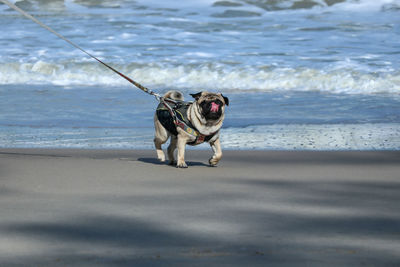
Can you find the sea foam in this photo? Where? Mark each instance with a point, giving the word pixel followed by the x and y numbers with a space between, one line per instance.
pixel 381 136
pixel 340 79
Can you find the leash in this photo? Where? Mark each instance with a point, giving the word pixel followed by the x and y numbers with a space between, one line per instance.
pixel 138 85
pixel 159 98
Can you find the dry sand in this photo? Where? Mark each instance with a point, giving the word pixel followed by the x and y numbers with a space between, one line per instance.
pixel 258 208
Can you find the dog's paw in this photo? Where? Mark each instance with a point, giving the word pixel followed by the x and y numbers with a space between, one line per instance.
pixel 213 162
pixel 160 155
pixel 181 165
pixel 172 163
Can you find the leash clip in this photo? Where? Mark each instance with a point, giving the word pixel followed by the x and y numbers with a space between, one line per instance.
pixel 158 97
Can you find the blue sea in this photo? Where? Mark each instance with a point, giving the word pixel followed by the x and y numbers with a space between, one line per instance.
pixel 300 74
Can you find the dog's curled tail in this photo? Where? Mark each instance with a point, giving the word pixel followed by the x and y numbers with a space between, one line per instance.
pixel 175 95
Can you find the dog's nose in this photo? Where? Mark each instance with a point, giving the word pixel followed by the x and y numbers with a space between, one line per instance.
pixel 214 107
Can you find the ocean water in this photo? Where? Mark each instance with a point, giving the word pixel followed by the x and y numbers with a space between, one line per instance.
pixel 300 74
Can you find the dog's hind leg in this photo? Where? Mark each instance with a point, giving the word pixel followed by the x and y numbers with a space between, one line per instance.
pixel 161 136
pixel 171 150
pixel 181 143
pixel 160 154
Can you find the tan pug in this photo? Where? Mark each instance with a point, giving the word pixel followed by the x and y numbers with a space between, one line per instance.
pixel 193 123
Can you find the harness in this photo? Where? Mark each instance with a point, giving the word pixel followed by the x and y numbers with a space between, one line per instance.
pixel 175 116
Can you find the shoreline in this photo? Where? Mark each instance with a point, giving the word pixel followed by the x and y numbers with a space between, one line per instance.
pixel 79 207
pixel 320 137
pixel 196 153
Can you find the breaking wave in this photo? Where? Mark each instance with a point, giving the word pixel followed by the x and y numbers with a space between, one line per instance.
pixel 232 5
pixel 207 76
pixel 353 5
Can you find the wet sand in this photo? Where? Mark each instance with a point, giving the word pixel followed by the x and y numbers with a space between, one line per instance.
pixel 257 208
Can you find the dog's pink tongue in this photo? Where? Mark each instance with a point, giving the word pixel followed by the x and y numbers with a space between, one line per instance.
pixel 214 107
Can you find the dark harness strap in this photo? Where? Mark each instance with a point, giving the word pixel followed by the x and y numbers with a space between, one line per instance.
pixel 175 116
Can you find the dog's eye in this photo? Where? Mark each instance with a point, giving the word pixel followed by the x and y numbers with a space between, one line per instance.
pixel 219 102
pixel 203 104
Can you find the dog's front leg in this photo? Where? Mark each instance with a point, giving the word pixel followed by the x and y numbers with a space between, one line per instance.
pixel 216 147
pixel 181 143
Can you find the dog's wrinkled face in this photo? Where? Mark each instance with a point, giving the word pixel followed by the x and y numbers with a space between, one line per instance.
pixel 211 105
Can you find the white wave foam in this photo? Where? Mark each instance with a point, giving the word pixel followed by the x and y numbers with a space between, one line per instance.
pixel 199 54
pixel 236 5
pixel 340 79
pixel 382 136
pixel 332 5
pixel 270 5
pixel 366 5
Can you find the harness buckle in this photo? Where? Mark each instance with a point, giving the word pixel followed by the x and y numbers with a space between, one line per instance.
pixel 178 105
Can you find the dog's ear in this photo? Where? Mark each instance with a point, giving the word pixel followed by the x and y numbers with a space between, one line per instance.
pixel 196 96
pixel 225 99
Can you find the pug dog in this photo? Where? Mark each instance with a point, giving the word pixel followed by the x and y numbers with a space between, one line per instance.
pixel 190 123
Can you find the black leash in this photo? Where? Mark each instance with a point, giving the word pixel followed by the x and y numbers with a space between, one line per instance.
pixel 138 85
pixel 159 98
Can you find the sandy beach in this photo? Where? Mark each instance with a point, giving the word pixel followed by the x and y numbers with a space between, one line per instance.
pixel 311 169
pixel 258 208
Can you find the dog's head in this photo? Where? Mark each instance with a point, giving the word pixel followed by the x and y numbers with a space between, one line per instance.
pixel 211 105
